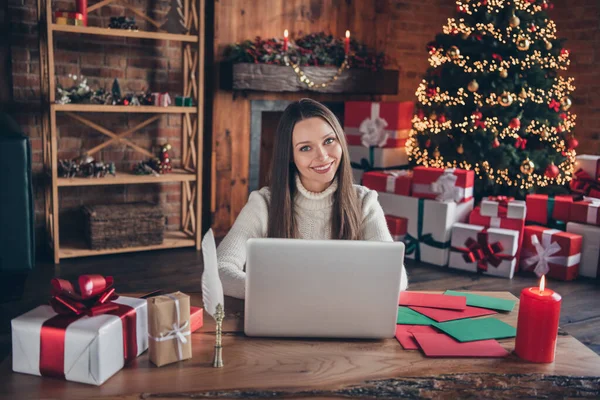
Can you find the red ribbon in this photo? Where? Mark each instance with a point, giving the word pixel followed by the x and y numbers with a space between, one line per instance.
pixel 554 105
pixel 482 252
pixel 501 200
pixel 93 298
pixel 583 183
pixel 521 143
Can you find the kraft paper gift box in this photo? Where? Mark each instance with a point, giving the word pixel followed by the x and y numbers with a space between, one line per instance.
pixel 429 224
pixel 392 181
pixel 491 251
pixel 169 329
pixel 501 206
pixel 397 227
pixel 515 224
pixel 80 347
pixel 551 252
pixel 443 184
pixel 379 124
pixel 590 248
pixel 551 211
pixel 586 211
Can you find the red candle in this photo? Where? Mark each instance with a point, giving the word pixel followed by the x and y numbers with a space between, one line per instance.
pixel 285 40
pixel 82 8
pixel 347 43
pixel 537 325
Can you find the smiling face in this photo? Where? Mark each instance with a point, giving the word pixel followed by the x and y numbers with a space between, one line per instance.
pixel 317 153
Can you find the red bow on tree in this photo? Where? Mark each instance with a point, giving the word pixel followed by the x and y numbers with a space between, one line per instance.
pixel 521 143
pixel 480 123
pixel 93 296
pixel 483 252
pixel 497 57
pixel 554 105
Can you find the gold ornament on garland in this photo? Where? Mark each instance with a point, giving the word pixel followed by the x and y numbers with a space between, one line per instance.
pixel 548 45
pixel 503 73
pixel 436 152
pixel 505 100
pixel 523 43
pixel 565 103
pixel 453 52
pixel 523 94
pixel 307 81
pixel 527 167
pixel 473 86
pixel 433 116
pixel 464 35
pixel 514 21
pixel 460 149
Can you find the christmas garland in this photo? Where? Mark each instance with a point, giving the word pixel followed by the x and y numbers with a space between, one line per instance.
pixel 315 49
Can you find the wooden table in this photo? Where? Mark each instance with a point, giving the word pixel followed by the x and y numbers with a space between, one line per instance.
pixel 277 368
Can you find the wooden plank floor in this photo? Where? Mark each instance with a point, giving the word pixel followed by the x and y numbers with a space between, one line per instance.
pixel 181 269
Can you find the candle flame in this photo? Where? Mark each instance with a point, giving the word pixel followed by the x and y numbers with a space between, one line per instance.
pixel 347 34
pixel 542 283
pixel 285 33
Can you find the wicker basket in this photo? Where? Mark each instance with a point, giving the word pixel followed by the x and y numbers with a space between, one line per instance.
pixel 123 225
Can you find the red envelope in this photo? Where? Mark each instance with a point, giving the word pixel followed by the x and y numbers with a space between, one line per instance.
pixel 432 300
pixel 444 346
pixel 404 334
pixel 441 315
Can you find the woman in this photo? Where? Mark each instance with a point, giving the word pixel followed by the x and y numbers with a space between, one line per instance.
pixel 310 196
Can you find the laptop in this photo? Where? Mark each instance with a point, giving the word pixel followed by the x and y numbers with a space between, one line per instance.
pixel 322 288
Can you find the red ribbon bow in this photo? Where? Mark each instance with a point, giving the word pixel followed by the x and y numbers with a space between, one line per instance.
pixel 480 123
pixel 501 200
pixel 483 252
pixel 92 297
pixel 583 183
pixel 521 143
pixel 554 105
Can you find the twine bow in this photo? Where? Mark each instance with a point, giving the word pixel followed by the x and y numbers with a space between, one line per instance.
pixel 179 331
pixel 543 256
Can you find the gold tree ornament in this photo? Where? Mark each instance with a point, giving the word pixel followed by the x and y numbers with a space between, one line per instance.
pixel 473 86
pixel 453 52
pixel 565 103
pixel 464 35
pixel 548 45
pixel 523 94
pixel 514 21
pixel 503 73
pixel 433 116
pixel 523 43
pixel 460 149
pixel 527 167
pixel 436 152
pixel 505 99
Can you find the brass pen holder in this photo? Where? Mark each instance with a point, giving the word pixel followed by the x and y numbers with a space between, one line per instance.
pixel 218 358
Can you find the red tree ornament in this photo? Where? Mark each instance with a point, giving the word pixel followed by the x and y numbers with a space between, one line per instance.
pixel 532 28
pixel 442 119
pixel 428 143
pixel 563 116
pixel 544 6
pixel 559 129
pixel 496 143
pixel 477 115
pixel 552 171
pixel 421 114
pixel 165 160
pixel 572 143
pixel 515 123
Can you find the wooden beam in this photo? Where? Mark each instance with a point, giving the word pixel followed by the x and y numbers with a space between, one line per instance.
pixel 123 134
pixel 98 5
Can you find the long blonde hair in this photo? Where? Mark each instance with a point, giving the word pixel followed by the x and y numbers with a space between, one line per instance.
pixel 345 216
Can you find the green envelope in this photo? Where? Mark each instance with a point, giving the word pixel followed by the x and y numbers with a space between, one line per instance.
pixel 469 330
pixel 488 302
pixel 406 316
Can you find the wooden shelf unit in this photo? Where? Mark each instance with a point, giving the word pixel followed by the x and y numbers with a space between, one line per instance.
pixel 190 173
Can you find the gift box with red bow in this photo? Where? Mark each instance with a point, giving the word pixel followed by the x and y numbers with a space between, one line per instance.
pixel 551 252
pixel 429 224
pixel 392 181
pixel 503 206
pixel 374 124
pixel 397 227
pixel 586 211
pixel 443 184
pixel 588 163
pixel 490 251
pixel 590 248
pixel 551 211
pixel 514 224
pixel 84 335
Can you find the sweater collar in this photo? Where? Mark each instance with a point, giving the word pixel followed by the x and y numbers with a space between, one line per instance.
pixel 312 200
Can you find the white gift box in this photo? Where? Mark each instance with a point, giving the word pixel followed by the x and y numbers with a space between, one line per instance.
pixel 516 209
pixel 437 219
pixel 590 248
pixel 589 163
pixel 509 239
pixel 93 346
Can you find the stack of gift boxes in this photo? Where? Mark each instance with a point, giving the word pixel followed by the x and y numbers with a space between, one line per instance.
pixel 431 210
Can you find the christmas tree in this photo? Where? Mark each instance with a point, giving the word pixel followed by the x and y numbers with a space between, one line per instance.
pixel 492 101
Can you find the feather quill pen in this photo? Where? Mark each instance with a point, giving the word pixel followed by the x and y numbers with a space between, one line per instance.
pixel 212 291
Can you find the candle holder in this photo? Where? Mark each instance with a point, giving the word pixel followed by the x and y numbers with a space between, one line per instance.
pixel 218 358
pixel 537 324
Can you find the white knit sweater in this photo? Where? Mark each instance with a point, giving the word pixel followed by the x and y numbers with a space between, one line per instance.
pixel 313 218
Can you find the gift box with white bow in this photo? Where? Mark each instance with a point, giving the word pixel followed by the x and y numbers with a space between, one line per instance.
pixel 85 336
pixel 392 181
pixel 491 251
pixel 502 206
pixel 397 227
pixel 169 328
pixel 378 124
pixel 590 248
pixel 443 184
pixel 586 211
pixel 429 224
pixel 551 252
